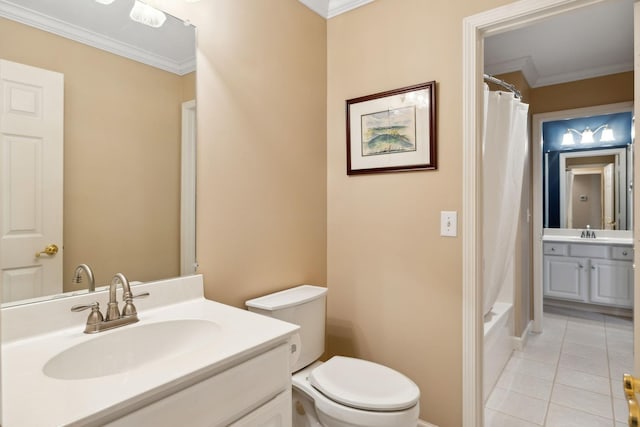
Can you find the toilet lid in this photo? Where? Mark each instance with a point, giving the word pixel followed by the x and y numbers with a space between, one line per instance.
pixel 364 385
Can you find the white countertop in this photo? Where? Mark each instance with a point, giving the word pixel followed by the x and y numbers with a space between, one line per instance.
pixel 30 398
pixel 603 237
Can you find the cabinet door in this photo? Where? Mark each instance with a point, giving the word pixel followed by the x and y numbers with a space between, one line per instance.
pixel 566 278
pixel 612 282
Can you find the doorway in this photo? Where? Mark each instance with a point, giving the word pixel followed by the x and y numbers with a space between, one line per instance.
pixel 475 28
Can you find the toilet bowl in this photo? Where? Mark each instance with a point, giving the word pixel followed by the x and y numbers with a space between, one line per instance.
pixel 343 391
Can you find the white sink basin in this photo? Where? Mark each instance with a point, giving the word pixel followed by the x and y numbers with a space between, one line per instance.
pixel 122 350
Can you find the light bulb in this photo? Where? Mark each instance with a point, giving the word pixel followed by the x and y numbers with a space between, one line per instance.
pixel 607 134
pixel 567 138
pixel 147 15
pixel 587 136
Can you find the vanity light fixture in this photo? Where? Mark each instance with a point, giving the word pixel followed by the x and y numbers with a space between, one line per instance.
pixel 105 1
pixel 586 136
pixel 147 15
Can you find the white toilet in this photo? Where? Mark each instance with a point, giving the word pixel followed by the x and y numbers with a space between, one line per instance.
pixel 343 391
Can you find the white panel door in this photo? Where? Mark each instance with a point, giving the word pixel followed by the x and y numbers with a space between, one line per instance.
pixel 31 180
pixel 608 192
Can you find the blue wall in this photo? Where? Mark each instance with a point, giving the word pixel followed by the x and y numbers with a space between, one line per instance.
pixel 552 133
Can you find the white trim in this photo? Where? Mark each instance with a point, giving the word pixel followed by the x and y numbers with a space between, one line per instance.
pixel 188 263
pixel 425 424
pixel 330 8
pixel 100 41
pixel 475 28
pixel 636 200
pixel 337 7
pixel 524 64
pixel 583 74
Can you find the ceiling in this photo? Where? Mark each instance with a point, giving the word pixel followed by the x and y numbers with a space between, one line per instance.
pixel 108 27
pixel 589 42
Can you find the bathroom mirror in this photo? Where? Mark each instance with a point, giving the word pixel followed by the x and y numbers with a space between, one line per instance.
pixel 588 173
pixel 125 88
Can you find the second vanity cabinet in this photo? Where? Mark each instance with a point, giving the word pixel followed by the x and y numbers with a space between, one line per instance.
pixel 590 273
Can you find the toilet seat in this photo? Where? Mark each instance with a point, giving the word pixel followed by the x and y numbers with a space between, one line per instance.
pixel 364 385
pixel 332 413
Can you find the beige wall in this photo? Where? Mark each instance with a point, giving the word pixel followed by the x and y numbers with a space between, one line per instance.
pixel 261 211
pixel 583 93
pixel 395 285
pixel 188 82
pixel 122 155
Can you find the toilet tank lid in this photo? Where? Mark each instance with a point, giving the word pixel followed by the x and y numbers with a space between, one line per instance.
pixel 287 298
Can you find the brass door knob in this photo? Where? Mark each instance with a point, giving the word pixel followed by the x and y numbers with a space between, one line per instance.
pixel 631 387
pixel 49 250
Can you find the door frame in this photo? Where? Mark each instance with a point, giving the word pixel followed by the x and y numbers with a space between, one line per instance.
pixel 188 262
pixel 475 28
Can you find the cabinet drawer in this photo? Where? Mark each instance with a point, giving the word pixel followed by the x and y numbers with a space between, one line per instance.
pixel 556 249
pixel 221 399
pixel 622 252
pixel 591 251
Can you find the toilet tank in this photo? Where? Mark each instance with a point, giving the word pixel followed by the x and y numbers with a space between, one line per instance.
pixel 303 306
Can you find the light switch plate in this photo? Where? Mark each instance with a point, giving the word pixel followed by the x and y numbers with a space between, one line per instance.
pixel 449 223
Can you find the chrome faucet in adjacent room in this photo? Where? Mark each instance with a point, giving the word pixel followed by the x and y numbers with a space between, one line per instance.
pixel 77 276
pixel 113 318
pixel 588 234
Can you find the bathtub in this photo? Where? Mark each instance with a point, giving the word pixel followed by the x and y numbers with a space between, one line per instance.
pixel 498 343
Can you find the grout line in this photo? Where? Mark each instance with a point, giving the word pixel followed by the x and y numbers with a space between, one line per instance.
pixel 555 375
pixel 606 346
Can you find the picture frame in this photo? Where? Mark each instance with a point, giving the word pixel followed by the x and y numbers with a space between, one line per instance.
pixel 392 131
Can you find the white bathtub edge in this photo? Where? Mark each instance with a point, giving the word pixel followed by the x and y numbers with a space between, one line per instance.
pixel 498 345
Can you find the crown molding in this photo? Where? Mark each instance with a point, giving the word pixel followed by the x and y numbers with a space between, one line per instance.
pixel 524 64
pixel 534 79
pixel 64 29
pixel 330 8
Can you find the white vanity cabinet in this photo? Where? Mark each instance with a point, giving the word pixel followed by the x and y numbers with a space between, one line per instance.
pixel 591 273
pixel 256 392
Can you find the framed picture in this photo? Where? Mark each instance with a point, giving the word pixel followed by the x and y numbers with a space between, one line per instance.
pixel 392 131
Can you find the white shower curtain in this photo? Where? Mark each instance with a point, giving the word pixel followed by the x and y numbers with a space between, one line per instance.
pixel 504 148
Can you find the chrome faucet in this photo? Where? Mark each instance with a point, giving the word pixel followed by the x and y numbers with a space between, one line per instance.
pixel 588 233
pixel 113 317
pixel 77 276
pixel 113 312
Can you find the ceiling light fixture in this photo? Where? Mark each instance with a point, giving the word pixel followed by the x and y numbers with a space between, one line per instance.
pixel 586 136
pixel 105 1
pixel 147 15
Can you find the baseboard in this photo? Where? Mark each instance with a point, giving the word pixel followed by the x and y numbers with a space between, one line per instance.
pixel 425 424
pixel 581 306
pixel 520 342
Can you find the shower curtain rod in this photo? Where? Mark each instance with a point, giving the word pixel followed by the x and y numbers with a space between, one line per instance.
pixel 504 84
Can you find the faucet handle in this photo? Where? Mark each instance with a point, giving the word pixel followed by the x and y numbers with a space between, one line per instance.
pixel 142 295
pixel 95 316
pixel 82 307
pixel 129 309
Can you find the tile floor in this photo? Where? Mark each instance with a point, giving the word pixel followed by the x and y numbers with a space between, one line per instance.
pixel 570 375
